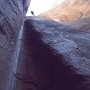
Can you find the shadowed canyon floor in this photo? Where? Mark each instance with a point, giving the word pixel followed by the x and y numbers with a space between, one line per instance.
pixel 53 57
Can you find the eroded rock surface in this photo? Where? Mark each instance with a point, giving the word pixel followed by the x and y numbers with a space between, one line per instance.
pixel 12 13
pixel 83 24
pixel 53 57
pixel 65 40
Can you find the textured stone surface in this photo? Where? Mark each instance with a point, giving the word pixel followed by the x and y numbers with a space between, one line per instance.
pixel 53 57
pixel 12 13
pixel 83 24
pixel 69 10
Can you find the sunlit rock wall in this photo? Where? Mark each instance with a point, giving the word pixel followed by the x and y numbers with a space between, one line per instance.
pixel 69 10
pixel 12 13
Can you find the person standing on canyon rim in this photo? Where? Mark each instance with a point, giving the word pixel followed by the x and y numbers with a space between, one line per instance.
pixel 32 12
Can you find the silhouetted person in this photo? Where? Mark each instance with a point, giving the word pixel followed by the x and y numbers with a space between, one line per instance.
pixel 32 12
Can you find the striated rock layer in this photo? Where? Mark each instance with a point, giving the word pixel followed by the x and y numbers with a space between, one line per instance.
pixel 82 24
pixel 12 13
pixel 69 10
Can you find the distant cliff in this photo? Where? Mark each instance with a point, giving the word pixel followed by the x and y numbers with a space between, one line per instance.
pixel 69 10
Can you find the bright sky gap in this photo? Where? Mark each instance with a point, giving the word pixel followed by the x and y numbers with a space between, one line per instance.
pixel 39 6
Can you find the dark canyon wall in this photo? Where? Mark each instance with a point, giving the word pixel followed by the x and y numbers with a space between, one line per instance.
pixel 12 13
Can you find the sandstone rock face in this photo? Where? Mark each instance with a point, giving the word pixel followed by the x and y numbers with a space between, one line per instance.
pixel 12 13
pixel 69 10
pixel 54 57
pixel 83 24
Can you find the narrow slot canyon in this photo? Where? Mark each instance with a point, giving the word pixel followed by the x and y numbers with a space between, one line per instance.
pixel 50 51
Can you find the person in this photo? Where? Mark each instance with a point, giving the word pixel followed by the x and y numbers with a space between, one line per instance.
pixel 32 12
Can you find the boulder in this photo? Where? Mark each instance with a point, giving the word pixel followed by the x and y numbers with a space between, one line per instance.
pixel 82 24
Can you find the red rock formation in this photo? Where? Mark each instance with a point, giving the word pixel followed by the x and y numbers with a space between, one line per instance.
pixel 12 13
pixel 69 10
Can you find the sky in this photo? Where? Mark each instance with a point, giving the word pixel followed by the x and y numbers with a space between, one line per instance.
pixel 39 6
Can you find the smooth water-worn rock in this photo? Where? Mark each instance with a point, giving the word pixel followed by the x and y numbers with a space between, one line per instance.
pixel 82 24
pixel 12 13
pixel 59 55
